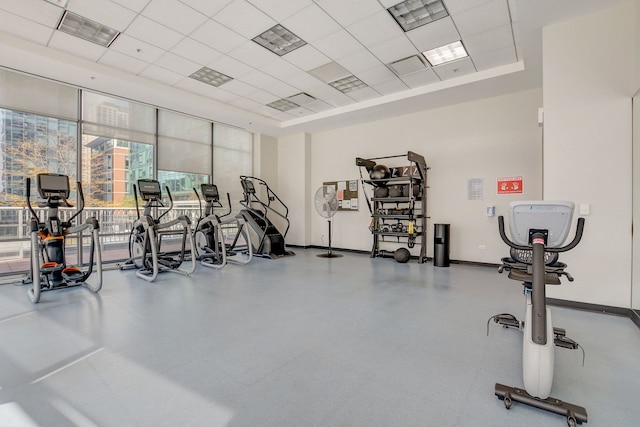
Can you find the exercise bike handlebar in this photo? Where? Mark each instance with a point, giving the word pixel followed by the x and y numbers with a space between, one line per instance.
pixel 573 244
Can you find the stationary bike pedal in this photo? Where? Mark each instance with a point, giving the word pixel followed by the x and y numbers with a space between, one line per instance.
pixel 506 320
pixel 564 342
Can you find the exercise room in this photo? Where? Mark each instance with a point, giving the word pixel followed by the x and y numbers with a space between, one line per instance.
pixel 319 213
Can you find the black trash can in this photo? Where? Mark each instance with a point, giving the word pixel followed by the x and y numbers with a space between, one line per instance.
pixel 441 245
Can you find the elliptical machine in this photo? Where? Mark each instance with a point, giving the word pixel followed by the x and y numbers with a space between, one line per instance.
pixel 146 236
pixel 538 230
pixel 210 243
pixel 48 240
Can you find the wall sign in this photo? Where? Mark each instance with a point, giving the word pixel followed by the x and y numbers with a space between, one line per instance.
pixel 347 192
pixel 510 185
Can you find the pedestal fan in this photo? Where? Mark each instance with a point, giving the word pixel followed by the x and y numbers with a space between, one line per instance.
pixel 326 201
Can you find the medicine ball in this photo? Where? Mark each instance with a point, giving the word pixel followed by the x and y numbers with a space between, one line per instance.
pixel 395 190
pixel 381 191
pixel 402 255
pixel 380 172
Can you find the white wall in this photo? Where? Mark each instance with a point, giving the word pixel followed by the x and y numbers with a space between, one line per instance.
pixel 481 139
pixel 588 82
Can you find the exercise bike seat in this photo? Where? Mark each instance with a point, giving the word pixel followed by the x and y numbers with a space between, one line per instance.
pixel 519 267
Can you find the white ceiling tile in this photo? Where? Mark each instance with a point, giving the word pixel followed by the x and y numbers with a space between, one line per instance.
pixel 175 15
pixel 497 38
pixel 434 34
pixel 338 44
pixel 177 64
pixel 246 104
pixel 318 106
pixel 421 78
pixel 253 54
pixel 239 88
pixel 153 33
pixel 105 12
pixel 124 62
pixel 257 78
pixel 306 57
pixel 161 75
pixel 135 5
pixel 34 10
pixel 348 12
pixel 207 7
pixel 483 18
pixel 388 3
pixel 219 94
pixel 136 48
pixel 338 99
pixel 218 36
pixel 280 89
pixel 76 46
pixel 193 86
pixel 280 69
pixel 376 75
pixel 311 24
pixel 230 66
pixel 363 94
pixel 495 58
pixel 393 49
pixel 261 97
pixel 390 86
pixel 196 51
pixel 304 81
pixel 457 6
pixel 384 25
pixel 279 10
pixel 455 69
pixel 244 19
pixel 329 72
pixel 359 61
pixel 23 28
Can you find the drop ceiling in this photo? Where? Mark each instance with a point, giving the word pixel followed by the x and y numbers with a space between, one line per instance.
pixel 164 42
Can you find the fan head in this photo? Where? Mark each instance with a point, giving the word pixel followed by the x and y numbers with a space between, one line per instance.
pixel 326 201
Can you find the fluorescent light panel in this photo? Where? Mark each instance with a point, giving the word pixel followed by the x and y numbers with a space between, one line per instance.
pixel 412 14
pixel 279 40
pixel 87 29
pixel 210 77
pixel 283 105
pixel 348 84
pixel 447 53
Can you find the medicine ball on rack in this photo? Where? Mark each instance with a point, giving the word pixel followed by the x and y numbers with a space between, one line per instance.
pixel 380 172
pixel 381 191
pixel 402 255
pixel 395 190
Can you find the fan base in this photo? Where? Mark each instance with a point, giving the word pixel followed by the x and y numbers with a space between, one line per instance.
pixel 329 255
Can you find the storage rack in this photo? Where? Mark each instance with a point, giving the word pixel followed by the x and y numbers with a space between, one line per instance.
pixel 399 219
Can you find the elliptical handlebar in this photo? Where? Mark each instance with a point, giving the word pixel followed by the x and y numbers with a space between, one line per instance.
pixel 80 202
pixel 28 194
pixel 573 244
pixel 166 187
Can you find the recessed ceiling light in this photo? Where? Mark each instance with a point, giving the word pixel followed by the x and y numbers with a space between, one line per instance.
pixel 447 53
pixel 348 84
pixel 87 29
pixel 283 105
pixel 210 77
pixel 412 14
pixel 279 40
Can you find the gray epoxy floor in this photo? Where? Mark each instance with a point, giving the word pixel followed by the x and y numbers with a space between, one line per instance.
pixel 299 341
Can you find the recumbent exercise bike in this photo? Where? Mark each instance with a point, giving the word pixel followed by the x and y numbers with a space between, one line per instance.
pixel 145 240
pixel 210 243
pixel 538 230
pixel 48 240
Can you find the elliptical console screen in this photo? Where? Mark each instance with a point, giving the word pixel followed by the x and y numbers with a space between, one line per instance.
pixel 248 187
pixel 210 192
pixel 53 185
pixel 149 189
